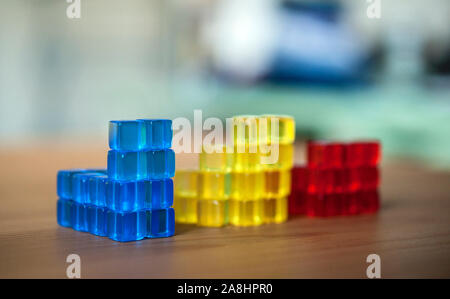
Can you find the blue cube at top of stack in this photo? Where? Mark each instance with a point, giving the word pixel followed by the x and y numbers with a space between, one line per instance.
pixel 132 199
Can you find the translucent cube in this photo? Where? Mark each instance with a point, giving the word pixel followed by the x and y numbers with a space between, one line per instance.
pixel 186 209
pixel 214 185
pixel 160 223
pixel 277 183
pixel 160 164
pixel 64 180
pixel 285 159
pixel 158 133
pixel 137 195
pixel 247 158
pixel 324 154
pixel 127 165
pixel 64 212
pixel 127 135
pixel 212 213
pixel 246 129
pixel 286 129
pixel 80 186
pixel 275 210
pixel 97 220
pixel 246 212
pixel 97 190
pixel 215 158
pixel 186 182
pixel 363 153
pixel 247 185
pixel 126 226
pixel 79 217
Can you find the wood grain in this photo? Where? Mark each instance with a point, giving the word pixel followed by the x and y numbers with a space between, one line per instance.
pixel 411 233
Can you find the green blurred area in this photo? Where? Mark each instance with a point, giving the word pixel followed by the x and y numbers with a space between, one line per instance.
pixel 410 120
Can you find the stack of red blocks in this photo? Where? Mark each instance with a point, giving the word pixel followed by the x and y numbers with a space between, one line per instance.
pixel 339 179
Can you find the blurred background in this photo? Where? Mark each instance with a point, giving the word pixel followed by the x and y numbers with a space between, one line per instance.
pixel 341 74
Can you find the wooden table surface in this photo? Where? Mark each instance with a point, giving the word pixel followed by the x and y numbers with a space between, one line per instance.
pixel 411 233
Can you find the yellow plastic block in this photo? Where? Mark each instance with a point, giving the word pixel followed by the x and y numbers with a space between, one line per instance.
pixel 275 210
pixel 277 183
pixel 247 159
pixel 213 213
pixel 186 183
pixel 247 185
pixel 185 209
pixel 245 129
pixel 247 212
pixel 214 185
pixel 215 158
pixel 285 157
pixel 286 129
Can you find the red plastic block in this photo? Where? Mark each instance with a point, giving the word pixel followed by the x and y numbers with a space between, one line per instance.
pixel 340 180
pixel 372 153
pixel 353 176
pixel 370 201
pixel 330 181
pixel 316 181
pixel 351 204
pixel 315 205
pixel 297 203
pixel 364 153
pixel 324 205
pixel 333 204
pixel 299 178
pixel 315 154
pixel 322 154
pixel 370 177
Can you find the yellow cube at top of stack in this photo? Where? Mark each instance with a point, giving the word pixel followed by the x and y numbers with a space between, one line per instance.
pixel 263 142
pixel 185 195
pixel 214 186
pixel 286 128
pixel 246 130
pixel 276 141
pixel 263 129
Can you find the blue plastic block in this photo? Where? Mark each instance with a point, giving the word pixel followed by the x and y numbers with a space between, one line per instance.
pixel 128 196
pixel 97 190
pixel 64 212
pixel 158 133
pixel 160 223
pixel 79 217
pixel 97 220
pixel 126 226
pixel 80 186
pixel 127 135
pixel 127 165
pixel 159 194
pixel 160 164
pixel 64 180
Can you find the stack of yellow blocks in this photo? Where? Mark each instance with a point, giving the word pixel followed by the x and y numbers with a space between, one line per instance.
pixel 233 185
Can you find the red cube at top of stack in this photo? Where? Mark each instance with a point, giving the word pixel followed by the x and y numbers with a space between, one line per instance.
pixel 326 155
pixel 337 177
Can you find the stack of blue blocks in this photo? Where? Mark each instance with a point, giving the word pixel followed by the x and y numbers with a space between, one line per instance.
pixel 132 199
